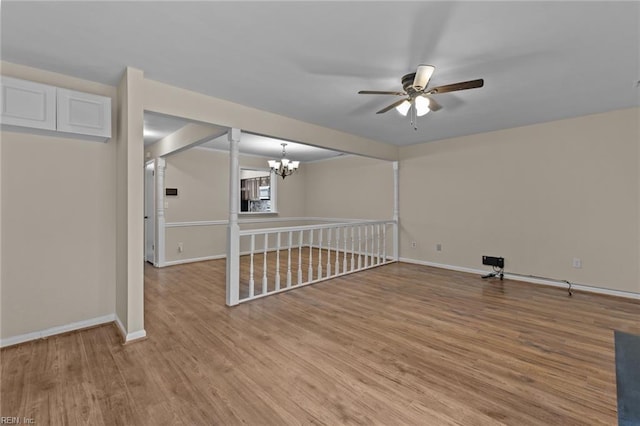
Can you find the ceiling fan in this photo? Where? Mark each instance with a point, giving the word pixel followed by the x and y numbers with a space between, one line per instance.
pixel 417 95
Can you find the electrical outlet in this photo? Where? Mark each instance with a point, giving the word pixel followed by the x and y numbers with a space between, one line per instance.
pixel 414 244
pixel 180 247
pixel 438 247
pixel 577 262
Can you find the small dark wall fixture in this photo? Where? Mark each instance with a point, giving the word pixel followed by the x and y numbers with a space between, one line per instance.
pixel 171 192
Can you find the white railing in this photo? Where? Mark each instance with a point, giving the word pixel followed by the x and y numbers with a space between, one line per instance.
pixel 273 260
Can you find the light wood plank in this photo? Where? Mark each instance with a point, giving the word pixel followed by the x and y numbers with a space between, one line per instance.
pixel 398 344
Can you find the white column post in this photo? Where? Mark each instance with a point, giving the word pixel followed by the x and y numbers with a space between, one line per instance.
pixel 233 230
pixel 159 254
pixel 396 211
pixel 129 208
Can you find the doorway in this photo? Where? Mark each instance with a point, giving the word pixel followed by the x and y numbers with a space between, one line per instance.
pixel 149 216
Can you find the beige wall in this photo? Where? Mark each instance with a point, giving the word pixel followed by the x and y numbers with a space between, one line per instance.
pixel 538 195
pixel 202 178
pixel 349 187
pixel 58 239
pixel 58 223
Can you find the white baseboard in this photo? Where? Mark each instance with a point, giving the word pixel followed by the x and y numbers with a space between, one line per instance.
pixel 129 337
pixel 10 341
pixel 532 280
pixel 194 259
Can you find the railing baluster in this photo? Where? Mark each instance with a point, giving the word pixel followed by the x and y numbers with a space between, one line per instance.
pixel 310 273
pixel 359 247
pixel 384 242
pixel 353 248
pixel 378 234
pixel 289 262
pixel 376 254
pixel 366 246
pixel 373 247
pixel 264 264
pixel 329 252
pixel 300 257
pixel 336 269
pixel 344 249
pixel 251 281
pixel 320 253
pixel 278 261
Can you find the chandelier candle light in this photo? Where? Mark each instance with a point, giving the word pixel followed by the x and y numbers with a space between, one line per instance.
pixel 284 167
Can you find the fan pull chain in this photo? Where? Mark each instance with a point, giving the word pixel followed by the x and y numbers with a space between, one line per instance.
pixel 414 116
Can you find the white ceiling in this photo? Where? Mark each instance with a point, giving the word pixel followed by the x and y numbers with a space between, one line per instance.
pixel 540 61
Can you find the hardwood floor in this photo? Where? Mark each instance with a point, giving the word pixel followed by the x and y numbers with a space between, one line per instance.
pixel 398 344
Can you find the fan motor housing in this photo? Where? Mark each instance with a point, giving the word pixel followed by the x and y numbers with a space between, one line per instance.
pixel 407 84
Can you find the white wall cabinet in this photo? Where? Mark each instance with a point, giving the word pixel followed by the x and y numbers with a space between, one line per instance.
pixel 32 105
pixel 83 113
pixel 28 104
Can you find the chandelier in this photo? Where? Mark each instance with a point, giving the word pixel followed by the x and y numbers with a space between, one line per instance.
pixel 283 167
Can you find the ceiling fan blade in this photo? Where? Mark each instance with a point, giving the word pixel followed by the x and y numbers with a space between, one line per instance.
pixel 472 84
pixel 392 106
pixel 433 105
pixel 380 92
pixel 423 75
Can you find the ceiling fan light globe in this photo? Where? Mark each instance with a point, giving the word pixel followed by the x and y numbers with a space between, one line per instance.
pixel 403 108
pixel 422 106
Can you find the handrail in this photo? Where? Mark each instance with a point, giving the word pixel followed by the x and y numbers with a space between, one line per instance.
pixel 314 227
pixel 196 223
pixel 259 220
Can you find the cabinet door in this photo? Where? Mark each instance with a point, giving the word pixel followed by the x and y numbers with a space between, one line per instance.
pixel 244 195
pixel 255 185
pixel 84 113
pixel 28 104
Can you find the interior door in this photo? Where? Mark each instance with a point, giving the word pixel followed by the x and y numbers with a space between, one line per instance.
pixel 149 217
